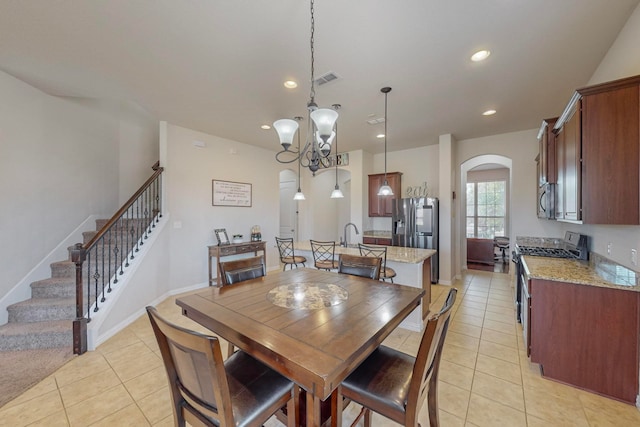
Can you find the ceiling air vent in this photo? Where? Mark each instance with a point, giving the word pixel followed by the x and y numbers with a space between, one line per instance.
pixel 326 78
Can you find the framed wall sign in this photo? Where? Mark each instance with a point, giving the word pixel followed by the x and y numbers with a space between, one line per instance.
pixel 221 235
pixel 228 193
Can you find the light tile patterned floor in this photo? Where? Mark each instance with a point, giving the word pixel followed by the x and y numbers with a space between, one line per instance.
pixel 485 376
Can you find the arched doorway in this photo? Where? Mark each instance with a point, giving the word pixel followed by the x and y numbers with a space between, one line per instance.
pixel 488 162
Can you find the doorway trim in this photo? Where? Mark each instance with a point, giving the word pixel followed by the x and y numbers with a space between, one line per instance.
pixel 465 167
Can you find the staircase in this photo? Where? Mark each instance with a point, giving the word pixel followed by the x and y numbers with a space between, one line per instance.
pixel 46 319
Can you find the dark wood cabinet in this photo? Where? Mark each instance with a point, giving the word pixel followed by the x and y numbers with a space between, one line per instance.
pixel 569 172
pixel 376 241
pixel 547 152
pixel 611 155
pixel 585 335
pixel 382 205
pixel 598 155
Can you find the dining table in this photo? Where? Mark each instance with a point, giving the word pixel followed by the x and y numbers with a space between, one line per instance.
pixel 312 326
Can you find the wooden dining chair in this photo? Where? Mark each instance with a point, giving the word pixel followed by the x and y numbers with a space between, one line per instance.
pixel 395 384
pixel 363 266
pixel 205 391
pixel 324 255
pixel 240 270
pixel 380 252
pixel 288 254
pixel 243 269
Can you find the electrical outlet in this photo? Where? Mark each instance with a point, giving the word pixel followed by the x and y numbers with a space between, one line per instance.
pixel 634 257
pixel 609 248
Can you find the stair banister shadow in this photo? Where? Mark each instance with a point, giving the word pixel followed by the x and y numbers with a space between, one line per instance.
pixel 111 249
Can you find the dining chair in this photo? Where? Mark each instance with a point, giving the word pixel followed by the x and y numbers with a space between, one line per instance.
pixel 288 254
pixel 205 391
pixel 395 384
pixel 242 269
pixel 363 266
pixel 380 252
pixel 324 254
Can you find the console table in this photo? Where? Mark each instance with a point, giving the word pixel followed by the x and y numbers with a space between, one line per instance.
pixel 233 249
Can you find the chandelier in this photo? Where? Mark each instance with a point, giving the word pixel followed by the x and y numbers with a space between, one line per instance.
pixel 320 125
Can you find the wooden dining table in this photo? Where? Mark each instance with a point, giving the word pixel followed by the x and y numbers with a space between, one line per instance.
pixel 312 326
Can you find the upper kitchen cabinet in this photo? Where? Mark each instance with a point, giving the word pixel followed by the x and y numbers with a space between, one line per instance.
pixel 547 159
pixel 598 154
pixel 568 165
pixel 382 205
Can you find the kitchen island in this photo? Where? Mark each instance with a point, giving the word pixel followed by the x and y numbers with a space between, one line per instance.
pixel 412 266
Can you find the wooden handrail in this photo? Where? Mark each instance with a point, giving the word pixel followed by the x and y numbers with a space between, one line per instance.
pixel 124 208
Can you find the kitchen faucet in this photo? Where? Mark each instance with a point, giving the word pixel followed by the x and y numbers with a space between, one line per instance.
pixel 344 241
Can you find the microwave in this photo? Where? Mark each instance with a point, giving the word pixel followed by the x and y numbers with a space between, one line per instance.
pixel 546 201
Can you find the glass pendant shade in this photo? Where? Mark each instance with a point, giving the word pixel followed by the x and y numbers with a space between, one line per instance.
pixel 385 190
pixel 299 195
pixel 337 193
pixel 286 128
pixel 324 119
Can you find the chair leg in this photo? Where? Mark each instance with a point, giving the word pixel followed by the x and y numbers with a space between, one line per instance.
pixel 293 408
pixel 432 403
pixel 230 349
pixel 367 418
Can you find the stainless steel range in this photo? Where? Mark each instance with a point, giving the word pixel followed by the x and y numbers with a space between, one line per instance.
pixel 574 246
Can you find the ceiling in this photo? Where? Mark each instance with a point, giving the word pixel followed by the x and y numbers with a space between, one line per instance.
pixel 218 66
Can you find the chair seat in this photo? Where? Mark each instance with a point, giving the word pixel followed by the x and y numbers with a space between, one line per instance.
pixel 327 265
pixel 387 273
pixel 294 259
pixel 382 381
pixel 253 387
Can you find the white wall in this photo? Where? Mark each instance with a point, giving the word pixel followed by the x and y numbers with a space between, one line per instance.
pixel 418 165
pixel 189 172
pixel 59 164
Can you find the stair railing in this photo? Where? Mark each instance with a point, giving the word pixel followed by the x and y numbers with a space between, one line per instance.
pixel 107 254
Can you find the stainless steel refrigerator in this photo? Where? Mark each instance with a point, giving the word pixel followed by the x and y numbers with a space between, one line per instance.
pixel 415 225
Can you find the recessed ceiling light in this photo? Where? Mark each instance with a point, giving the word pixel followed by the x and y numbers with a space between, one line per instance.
pixel 265 127
pixel 290 84
pixel 380 136
pixel 489 113
pixel 480 55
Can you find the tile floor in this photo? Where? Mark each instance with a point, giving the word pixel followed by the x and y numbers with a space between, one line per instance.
pixel 485 378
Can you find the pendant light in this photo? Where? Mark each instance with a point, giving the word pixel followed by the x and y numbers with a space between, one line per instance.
pixel 320 125
pixel 385 190
pixel 336 193
pixel 299 194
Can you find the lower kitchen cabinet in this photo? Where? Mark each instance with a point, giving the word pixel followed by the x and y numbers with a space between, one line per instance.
pixel 586 336
pixel 376 241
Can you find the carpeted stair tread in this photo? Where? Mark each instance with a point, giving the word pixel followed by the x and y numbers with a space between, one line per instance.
pixel 42 309
pixel 32 335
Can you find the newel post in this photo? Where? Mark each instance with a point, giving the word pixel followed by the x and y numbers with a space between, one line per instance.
pixel 78 256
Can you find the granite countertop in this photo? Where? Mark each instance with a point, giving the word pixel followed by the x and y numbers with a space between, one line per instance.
pixel 394 253
pixel 377 233
pixel 592 273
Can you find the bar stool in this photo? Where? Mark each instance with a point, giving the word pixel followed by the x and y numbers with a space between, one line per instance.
pixel 380 252
pixel 324 255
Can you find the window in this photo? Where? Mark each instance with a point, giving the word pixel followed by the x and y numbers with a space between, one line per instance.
pixel 486 209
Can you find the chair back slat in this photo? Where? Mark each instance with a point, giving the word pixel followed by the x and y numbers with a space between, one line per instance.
pixel 374 251
pixel 363 266
pixel 425 371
